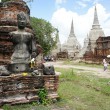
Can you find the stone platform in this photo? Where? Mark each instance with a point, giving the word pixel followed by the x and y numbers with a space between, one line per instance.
pixel 17 89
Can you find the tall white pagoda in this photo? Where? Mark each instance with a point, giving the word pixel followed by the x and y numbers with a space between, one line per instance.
pixel 94 34
pixel 73 47
pixel 96 31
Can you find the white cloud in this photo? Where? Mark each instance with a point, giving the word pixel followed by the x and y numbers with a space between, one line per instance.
pixel 82 4
pixel 96 1
pixel 60 1
pixel 86 0
pixel 62 18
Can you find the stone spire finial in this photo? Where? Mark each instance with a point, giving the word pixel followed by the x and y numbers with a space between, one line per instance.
pixel 58 40
pixel 87 34
pixel 96 21
pixel 72 29
pixel 89 44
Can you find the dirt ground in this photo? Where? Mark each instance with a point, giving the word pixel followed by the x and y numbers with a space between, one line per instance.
pixel 96 71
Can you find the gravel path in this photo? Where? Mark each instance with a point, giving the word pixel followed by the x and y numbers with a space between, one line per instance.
pixel 96 71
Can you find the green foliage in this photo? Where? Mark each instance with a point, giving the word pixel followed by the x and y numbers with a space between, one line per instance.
pixel 34 103
pixel 69 76
pixel 68 62
pixel 46 34
pixel 42 93
pixel 6 107
pixel 13 0
pixel 31 106
pixel 6 0
pixel 83 91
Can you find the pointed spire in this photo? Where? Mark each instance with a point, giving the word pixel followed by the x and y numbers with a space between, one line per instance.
pixel 96 21
pixel 58 40
pixel 72 29
pixel 87 35
pixel 89 45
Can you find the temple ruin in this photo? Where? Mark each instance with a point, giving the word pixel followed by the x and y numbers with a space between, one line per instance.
pixel 20 78
pixel 72 45
pixel 8 23
pixel 94 34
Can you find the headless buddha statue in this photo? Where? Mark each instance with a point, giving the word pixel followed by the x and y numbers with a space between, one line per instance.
pixel 24 45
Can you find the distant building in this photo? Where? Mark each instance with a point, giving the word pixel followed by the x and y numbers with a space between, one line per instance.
pixel 96 31
pixel 102 49
pixel 88 55
pixel 83 50
pixel 72 45
pixel 94 34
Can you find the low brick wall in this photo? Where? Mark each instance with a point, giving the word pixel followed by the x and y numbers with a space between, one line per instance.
pixel 18 89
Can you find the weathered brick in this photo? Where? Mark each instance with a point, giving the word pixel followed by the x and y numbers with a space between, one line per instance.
pixel 8 23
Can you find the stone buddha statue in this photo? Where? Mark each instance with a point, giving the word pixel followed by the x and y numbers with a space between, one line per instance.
pixel 24 46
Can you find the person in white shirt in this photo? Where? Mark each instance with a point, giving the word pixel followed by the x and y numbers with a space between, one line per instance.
pixel 105 64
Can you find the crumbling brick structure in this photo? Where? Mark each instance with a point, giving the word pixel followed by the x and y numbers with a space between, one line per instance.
pixel 8 23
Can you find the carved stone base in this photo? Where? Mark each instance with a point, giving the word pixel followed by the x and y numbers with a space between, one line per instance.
pixel 18 67
pixel 18 89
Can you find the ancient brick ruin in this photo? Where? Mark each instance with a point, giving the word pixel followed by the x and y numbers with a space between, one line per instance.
pixel 16 88
pixel 23 89
pixel 8 23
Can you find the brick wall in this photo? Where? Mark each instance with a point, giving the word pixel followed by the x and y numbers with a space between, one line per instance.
pixel 22 89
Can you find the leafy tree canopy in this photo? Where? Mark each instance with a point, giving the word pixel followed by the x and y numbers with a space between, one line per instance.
pixel 46 34
pixel 15 0
pixel 6 0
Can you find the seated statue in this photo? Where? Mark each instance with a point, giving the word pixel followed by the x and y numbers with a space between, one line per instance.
pixel 24 46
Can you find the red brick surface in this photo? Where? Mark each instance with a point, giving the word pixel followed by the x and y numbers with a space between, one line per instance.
pixel 8 23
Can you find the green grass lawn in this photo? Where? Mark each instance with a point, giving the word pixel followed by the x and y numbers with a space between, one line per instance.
pixel 83 91
pixel 68 62
pixel 78 90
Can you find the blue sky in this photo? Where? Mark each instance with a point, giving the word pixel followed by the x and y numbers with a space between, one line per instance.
pixel 61 12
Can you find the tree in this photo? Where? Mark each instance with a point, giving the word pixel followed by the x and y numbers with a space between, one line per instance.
pixel 15 0
pixel 5 0
pixel 45 34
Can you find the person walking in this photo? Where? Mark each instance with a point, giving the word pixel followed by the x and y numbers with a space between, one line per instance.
pixel 105 64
